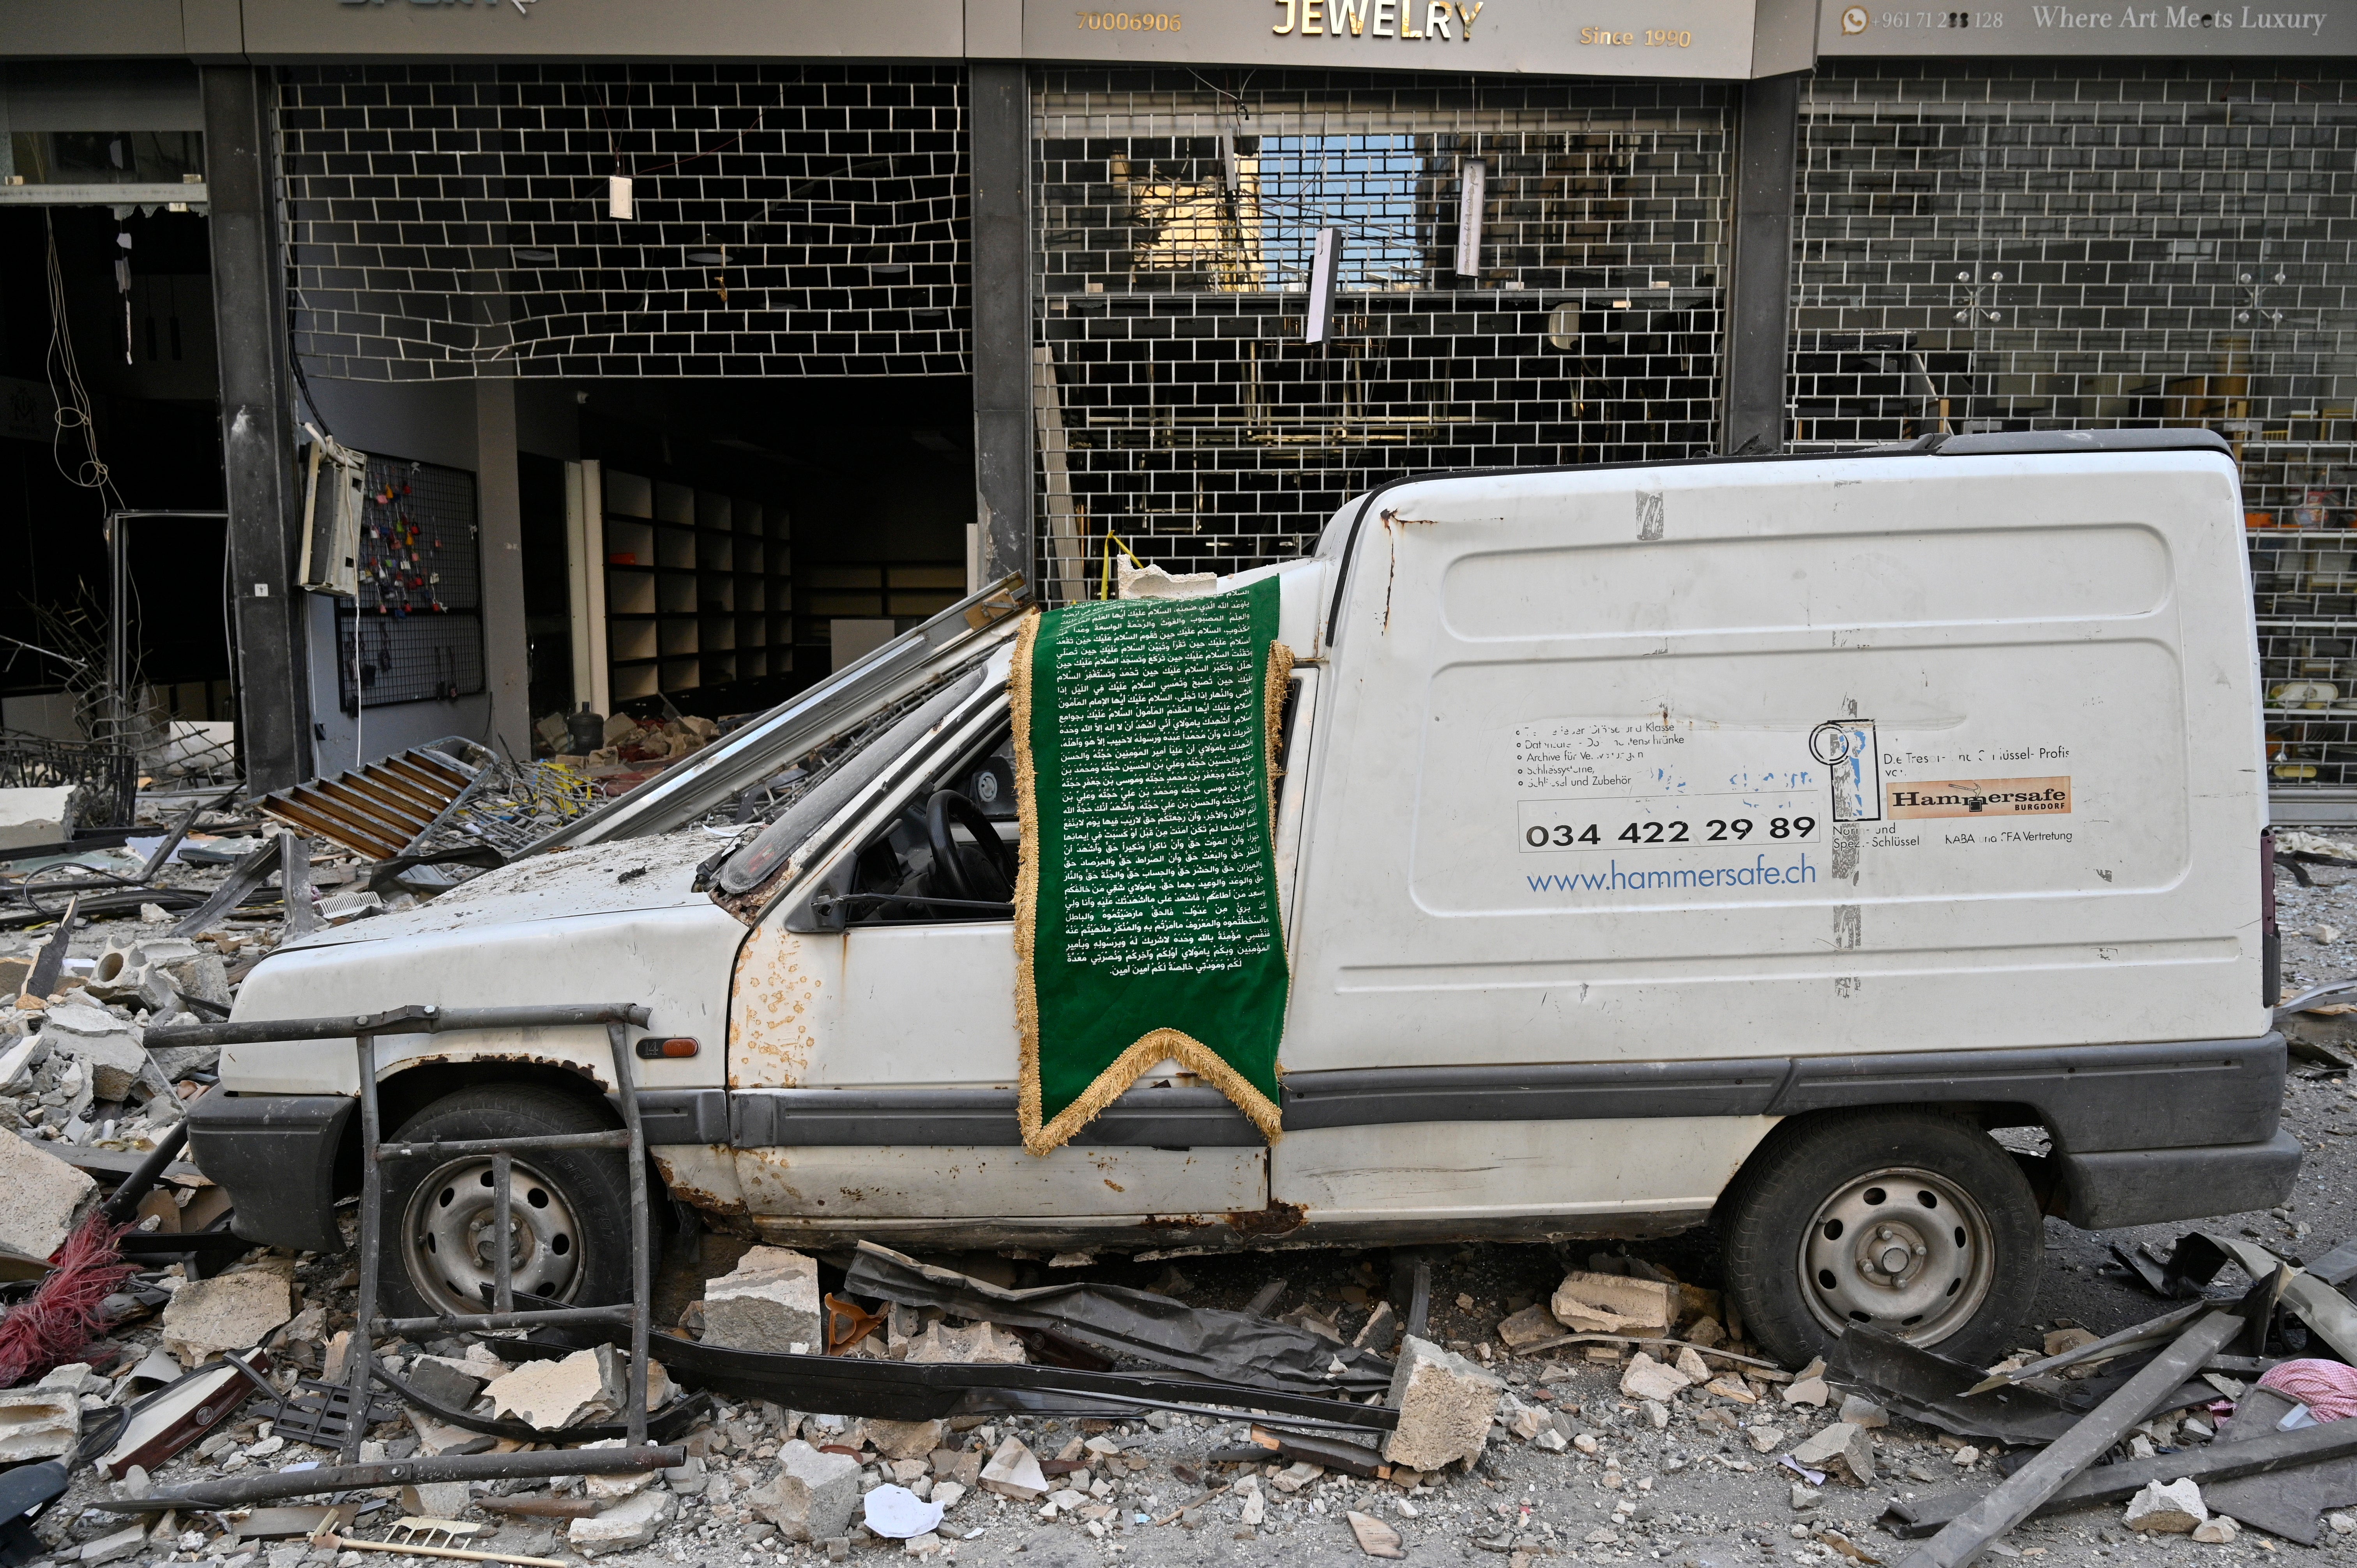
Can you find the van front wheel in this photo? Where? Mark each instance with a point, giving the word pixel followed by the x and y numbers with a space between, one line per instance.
pixel 1913 1222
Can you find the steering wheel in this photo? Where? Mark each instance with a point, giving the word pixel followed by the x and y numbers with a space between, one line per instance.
pixel 983 870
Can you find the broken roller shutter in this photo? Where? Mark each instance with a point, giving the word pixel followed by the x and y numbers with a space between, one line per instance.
pixel 384 809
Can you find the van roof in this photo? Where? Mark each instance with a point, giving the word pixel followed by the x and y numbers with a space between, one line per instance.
pixel 1995 444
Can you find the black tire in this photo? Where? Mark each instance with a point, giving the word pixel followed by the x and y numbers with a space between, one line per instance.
pixel 1913 1220
pixel 570 1209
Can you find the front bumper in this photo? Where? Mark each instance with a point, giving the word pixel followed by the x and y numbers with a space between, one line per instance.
pixel 276 1155
pixel 2119 1188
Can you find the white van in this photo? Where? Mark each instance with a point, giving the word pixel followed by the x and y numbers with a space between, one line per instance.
pixel 1736 842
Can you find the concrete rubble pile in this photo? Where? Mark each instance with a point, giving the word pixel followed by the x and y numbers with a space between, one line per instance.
pixel 633 745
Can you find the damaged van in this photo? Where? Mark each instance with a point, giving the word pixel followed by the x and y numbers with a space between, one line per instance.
pixel 1863 854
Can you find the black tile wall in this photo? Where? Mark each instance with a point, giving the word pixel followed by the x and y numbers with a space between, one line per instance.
pixel 791 220
pixel 2076 245
pixel 1181 411
pixel 2013 245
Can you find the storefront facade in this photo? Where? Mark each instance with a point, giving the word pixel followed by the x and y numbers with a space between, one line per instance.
pixel 1068 262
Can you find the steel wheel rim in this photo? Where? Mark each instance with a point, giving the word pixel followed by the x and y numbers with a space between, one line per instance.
pixel 1903 1250
pixel 445 1236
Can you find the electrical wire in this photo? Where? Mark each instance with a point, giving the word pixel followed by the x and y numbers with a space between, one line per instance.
pixel 72 410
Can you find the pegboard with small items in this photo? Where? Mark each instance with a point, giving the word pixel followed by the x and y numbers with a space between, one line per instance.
pixel 419 615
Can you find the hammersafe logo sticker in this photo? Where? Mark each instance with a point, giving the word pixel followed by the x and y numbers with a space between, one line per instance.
pixel 1982 798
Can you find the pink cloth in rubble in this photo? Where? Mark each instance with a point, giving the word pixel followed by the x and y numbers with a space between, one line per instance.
pixel 2328 1389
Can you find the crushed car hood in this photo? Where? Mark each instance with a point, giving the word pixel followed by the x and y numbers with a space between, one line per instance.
pixel 656 873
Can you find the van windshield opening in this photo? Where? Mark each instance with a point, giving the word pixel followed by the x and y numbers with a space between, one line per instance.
pixel 800 799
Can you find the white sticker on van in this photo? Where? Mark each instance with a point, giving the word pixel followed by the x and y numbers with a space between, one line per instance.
pixel 1588 785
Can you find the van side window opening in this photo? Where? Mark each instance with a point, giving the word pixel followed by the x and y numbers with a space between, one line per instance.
pixel 955 839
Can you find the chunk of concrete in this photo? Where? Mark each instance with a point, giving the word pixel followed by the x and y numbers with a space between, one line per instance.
pixel 1807 1391
pixel 1691 1365
pixel 447 1383
pixel 437 1500
pixel 1014 1472
pixel 18 1062
pixel 44 1195
pixel 228 1312
pixel 1445 1404
pixel 549 1395
pixel 1859 1411
pixel 100 1040
pixel 1375 1537
pixel 812 1495
pixel 1531 1326
pixel 1614 1303
pixel 1841 1444
pixel 125 1542
pixel 627 1526
pixel 906 1439
pixel 1646 1378
pixel 203 975
pixel 978 1345
pixel 38 1422
pixel 2218 1531
pixel 963 1465
pixel 2171 1508
pixel 769 1302
pixel 37 816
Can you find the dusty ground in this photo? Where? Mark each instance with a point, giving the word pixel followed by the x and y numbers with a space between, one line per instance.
pixel 1694 1494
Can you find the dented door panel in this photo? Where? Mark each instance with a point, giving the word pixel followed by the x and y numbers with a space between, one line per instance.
pixel 1486 1170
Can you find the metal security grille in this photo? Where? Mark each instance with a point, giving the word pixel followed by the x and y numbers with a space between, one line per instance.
pixel 1182 416
pixel 2011 245
pixel 789 220
pixel 418 630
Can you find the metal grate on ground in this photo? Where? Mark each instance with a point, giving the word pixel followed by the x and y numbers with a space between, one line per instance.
pixel 1179 408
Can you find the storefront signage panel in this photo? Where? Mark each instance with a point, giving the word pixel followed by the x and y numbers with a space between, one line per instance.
pixel 595 30
pixel 1555 38
pixel 2035 28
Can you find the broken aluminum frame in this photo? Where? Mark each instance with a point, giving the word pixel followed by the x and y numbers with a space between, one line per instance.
pixel 1134 1325
pixel 2138 1336
pixel 2063 1461
pixel 2261 1454
pixel 713 777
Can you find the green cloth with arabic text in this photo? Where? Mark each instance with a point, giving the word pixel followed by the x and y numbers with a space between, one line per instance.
pixel 1147 917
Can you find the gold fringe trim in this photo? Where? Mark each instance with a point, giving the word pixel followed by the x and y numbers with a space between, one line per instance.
pixel 1026 882
pixel 1159 1045
pixel 1151 1049
pixel 1280 677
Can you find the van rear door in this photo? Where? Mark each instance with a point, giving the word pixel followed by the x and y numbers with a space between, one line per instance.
pixel 1729 761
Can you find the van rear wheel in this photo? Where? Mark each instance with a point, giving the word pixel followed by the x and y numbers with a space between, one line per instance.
pixel 1913 1222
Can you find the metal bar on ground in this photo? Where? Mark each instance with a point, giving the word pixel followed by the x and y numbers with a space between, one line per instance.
pixel 244 877
pixel 2029 1488
pixel 2109 1483
pixel 457 1323
pixel 2133 1337
pixel 50 967
pixel 246 1490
